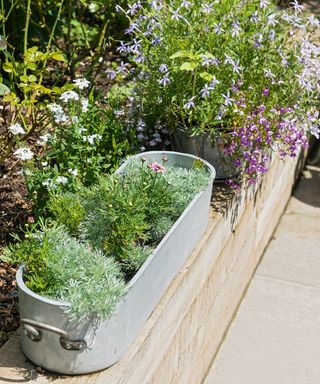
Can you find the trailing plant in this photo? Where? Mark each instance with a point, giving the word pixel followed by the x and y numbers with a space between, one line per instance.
pixel 237 71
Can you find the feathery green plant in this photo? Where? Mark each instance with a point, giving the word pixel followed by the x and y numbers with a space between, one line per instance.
pixel 60 267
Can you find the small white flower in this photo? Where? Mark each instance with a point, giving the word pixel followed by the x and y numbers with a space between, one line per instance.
pixel 23 154
pixel 81 83
pixel 74 119
pixel 55 108
pixel 16 129
pixel 62 180
pixel 73 172
pixel 81 130
pixel 27 172
pixel 48 183
pixel 69 95
pixel 44 163
pixel 84 104
pixel 44 139
pixel 58 113
pixel 92 138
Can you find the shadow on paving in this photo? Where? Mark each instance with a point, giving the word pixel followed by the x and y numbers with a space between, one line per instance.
pixel 308 188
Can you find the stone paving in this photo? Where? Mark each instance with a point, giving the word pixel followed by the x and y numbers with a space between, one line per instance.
pixel 275 336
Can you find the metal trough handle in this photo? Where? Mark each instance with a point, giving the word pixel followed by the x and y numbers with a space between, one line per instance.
pixel 33 328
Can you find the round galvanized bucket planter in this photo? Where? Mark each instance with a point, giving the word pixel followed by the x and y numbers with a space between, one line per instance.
pixel 202 146
pixel 51 341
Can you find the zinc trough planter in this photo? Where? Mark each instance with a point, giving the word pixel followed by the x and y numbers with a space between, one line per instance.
pixel 52 342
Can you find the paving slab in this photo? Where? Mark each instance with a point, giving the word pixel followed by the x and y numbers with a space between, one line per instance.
pixel 306 197
pixel 294 252
pixel 275 338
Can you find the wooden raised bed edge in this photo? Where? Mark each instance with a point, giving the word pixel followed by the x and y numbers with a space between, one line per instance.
pixel 183 334
pixel 181 337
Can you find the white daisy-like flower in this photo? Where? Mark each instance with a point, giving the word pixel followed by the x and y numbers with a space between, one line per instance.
pixel 16 129
pixel 23 154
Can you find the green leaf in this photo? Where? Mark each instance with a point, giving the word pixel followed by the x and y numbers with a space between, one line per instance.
pixel 32 49
pixel 114 143
pixel 58 57
pixel 181 54
pixel 188 66
pixel 24 78
pixel 8 67
pixel 32 78
pixel 4 89
pixel 206 76
pixel 56 90
pixel 32 66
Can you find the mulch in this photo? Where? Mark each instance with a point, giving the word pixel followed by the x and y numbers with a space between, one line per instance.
pixel 14 212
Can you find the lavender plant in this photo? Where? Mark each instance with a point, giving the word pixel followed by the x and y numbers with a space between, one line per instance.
pixel 241 72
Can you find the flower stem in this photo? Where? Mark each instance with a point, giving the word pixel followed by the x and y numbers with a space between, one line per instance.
pixel 26 30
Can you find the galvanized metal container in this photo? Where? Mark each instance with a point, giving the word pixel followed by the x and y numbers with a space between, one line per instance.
pixel 203 147
pixel 51 341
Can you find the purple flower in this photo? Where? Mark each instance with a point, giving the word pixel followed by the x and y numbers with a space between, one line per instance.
pixel 175 15
pixel 156 41
pixel 134 8
pixel 186 4
pixel 265 92
pixel 254 17
pixel 264 3
pixel 189 104
pixel 164 80
pixel 314 130
pixel 158 168
pixel 218 28
pixel 235 32
pixel 163 68
pixel 122 67
pixel 205 92
pixel 132 28
pixel 227 99
pixel 123 48
pixel 207 8
pixel 297 7
pixel 135 47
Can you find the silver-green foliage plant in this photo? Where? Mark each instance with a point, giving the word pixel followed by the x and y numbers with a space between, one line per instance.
pixel 62 268
pixel 129 213
pixel 97 239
